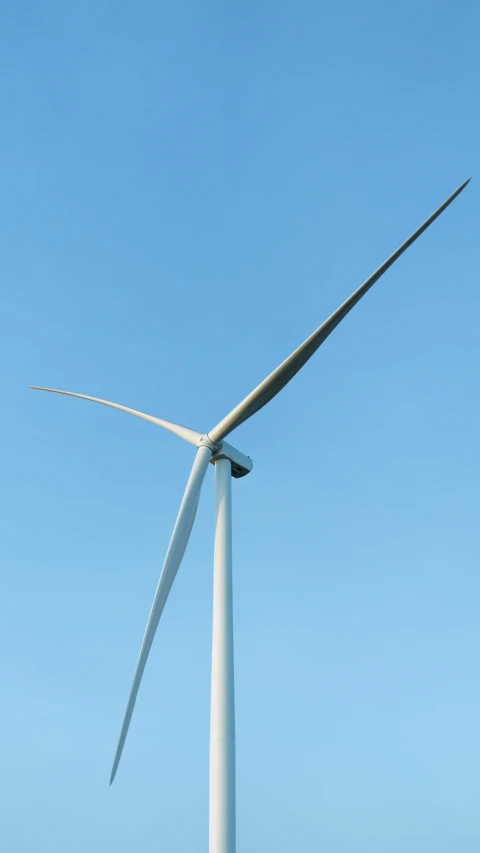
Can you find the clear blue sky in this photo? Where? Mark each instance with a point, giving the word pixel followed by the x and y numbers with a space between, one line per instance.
pixel 188 190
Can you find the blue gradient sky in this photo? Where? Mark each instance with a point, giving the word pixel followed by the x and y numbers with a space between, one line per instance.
pixel 187 191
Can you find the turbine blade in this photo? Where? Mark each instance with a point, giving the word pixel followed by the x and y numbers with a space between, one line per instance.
pixel 176 550
pixel 187 434
pixel 277 380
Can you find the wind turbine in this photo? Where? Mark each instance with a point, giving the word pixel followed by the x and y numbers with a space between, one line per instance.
pixel 229 462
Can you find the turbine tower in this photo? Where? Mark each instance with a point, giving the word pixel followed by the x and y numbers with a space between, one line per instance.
pixel 228 462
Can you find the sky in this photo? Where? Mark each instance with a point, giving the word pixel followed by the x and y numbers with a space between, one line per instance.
pixel 188 190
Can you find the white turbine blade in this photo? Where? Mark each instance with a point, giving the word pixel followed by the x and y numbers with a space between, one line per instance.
pixel 176 550
pixel 187 434
pixel 277 380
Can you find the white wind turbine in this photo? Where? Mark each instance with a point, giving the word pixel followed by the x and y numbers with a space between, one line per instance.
pixel 212 447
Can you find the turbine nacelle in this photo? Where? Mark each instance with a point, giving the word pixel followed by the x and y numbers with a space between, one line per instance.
pixel 241 464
